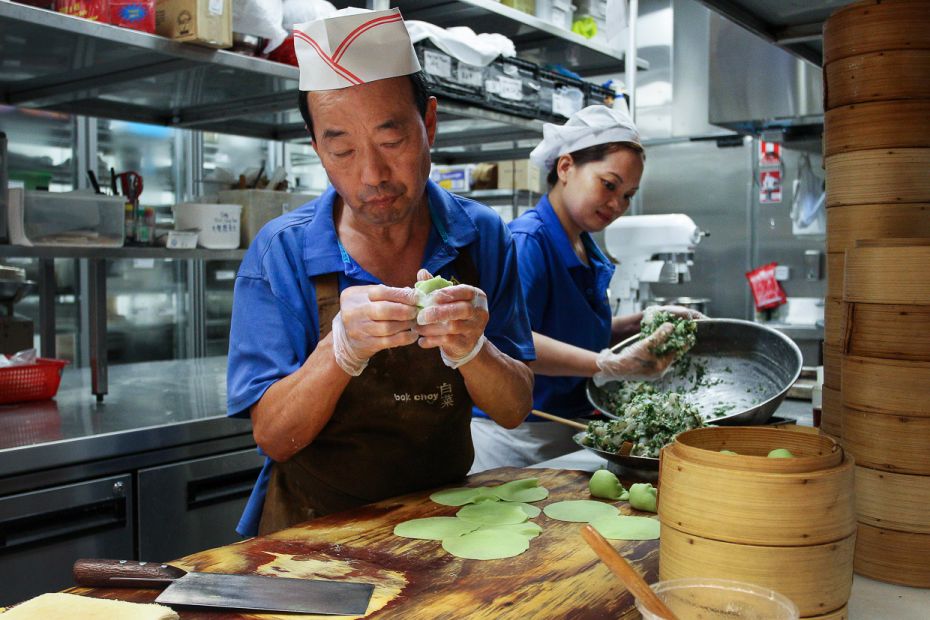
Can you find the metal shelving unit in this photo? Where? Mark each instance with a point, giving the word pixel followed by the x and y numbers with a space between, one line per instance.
pixel 59 62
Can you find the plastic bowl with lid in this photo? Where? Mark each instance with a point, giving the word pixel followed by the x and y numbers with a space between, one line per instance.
pixel 721 599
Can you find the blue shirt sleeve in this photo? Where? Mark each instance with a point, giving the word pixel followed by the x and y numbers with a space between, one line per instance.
pixel 269 337
pixel 508 326
pixel 534 276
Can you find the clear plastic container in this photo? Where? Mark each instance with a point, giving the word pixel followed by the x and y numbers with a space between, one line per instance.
pixel 721 599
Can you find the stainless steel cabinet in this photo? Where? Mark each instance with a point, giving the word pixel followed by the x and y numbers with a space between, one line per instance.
pixel 43 532
pixel 193 505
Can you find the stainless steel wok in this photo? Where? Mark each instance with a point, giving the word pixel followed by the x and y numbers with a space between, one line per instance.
pixel 749 367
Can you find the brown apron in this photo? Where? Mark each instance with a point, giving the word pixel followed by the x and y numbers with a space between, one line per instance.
pixel 403 425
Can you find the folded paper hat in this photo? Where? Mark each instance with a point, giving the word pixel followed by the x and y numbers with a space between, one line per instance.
pixel 351 47
pixel 590 126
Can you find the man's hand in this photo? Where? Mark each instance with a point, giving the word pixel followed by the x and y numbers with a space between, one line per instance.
pixel 637 361
pixel 371 319
pixel 456 323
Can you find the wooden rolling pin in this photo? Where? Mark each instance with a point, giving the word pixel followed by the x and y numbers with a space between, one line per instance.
pixel 560 420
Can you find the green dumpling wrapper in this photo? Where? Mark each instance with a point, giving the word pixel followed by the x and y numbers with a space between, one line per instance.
pixel 643 497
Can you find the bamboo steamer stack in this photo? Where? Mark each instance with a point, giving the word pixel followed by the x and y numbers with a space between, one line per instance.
pixel 787 524
pixel 876 345
pixel 876 149
pixel 886 374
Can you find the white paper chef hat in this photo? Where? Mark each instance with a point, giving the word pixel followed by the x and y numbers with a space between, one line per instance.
pixel 351 47
pixel 595 124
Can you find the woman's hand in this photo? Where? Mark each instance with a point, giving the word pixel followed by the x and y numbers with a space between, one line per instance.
pixel 635 362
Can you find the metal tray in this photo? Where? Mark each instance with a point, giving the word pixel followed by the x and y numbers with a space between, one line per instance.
pixel 640 468
pixel 748 365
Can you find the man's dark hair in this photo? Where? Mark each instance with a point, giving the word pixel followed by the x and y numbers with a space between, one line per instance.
pixel 593 153
pixel 418 83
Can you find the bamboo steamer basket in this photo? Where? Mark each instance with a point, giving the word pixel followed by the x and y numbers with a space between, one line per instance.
pixel 834 314
pixel 877 76
pixel 893 331
pixel 832 366
pixel 876 25
pixel 755 507
pixel 900 502
pixel 840 614
pixel 891 443
pixel 832 412
pixel 752 444
pixel 886 385
pixel 889 274
pixel 817 578
pixel 877 125
pixel 889 555
pixel 878 176
pixel 835 263
pixel 849 223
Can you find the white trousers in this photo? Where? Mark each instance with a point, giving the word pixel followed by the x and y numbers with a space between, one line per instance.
pixel 528 444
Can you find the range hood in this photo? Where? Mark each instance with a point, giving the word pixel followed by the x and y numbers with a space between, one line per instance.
pixel 758 88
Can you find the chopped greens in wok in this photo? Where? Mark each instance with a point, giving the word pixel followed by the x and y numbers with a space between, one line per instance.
pixel 650 421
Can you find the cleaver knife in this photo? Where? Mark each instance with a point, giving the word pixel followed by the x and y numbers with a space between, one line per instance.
pixel 251 592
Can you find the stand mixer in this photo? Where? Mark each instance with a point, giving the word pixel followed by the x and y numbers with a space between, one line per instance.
pixel 649 249
pixel 15 332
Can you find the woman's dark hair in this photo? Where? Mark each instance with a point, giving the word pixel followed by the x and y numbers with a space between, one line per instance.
pixel 418 83
pixel 594 153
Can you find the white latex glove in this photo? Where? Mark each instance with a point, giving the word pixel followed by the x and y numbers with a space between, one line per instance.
pixel 679 311
pixel 371 319
pixel 455 322
pixel 635 362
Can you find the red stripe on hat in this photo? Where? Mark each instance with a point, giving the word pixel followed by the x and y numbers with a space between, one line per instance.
pixel 338 69
pixel 360 30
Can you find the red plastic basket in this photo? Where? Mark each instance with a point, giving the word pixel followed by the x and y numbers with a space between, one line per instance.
pixel 37 381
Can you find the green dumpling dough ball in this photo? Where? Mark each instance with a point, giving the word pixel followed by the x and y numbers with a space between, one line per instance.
pixel 425 288
pixel 781 453
pixel 730 452
pixel 643 497
pixel 605 484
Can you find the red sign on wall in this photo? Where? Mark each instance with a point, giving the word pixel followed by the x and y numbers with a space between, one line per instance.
pixel 770 186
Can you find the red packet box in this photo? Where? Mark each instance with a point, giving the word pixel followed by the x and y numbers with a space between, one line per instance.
pixel 96 10
pixel 133 14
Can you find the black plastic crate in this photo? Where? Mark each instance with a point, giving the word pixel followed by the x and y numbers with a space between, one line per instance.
pixel 512 85
pixel 461 79
pixel 559 95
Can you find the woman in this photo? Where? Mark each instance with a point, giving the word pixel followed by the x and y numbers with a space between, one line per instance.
pixel 594 163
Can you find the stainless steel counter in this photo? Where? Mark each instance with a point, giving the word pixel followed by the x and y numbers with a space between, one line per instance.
pixel 153 406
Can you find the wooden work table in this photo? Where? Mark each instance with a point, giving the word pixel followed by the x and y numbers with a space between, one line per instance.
pixel 558 577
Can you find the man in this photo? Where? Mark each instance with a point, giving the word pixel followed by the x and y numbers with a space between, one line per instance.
pixel 353 395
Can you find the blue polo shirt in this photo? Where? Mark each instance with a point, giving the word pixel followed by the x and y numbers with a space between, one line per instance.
pixel 275 326
pixel 566 300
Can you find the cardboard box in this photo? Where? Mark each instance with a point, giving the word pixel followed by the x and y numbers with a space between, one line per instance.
pixel 520 174
pixel 204 22
pixel 260 206
pixel 452 178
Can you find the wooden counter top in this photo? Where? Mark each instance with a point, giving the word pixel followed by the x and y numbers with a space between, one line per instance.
pixel 558 577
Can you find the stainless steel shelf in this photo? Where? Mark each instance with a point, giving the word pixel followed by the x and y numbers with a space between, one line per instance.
pixel 535 39
pixel 796 27
pixel 68 64
pixel 119 253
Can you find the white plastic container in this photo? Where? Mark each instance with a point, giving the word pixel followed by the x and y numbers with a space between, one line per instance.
pixel 218 223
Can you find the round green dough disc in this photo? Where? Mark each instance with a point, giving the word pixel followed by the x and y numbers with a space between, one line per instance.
pixel 462 495
pixel 531 511
pixel 525 490
pixel 490 544
pixel 528 529
pixel 579 510
pixel 434 528
pixel 492 513
pixel 621 527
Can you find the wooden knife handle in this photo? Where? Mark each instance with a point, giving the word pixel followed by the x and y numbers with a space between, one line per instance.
pixel 124 574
